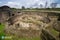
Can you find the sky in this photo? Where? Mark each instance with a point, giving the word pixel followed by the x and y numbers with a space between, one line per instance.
pixel 28 3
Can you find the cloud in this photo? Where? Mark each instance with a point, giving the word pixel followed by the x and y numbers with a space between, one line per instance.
pixel 29 3
pixel 43 2
pixel 58 5
pixel 13 4
pixel 18 4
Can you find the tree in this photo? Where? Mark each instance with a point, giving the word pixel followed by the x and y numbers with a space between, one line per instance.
pixel 53 5
pixel 41 5
pixel 23 7
pixel 46 4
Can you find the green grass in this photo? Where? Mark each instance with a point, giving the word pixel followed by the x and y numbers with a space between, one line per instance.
pixel 1 31
pixel 25 38
pixel 1 27
pixel 15 37
pixel 54 32
pixel 35 38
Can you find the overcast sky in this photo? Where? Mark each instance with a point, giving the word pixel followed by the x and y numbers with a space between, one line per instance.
pixel 27 3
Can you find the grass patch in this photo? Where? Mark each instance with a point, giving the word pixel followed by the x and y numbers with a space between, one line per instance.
pixel 25 38
pixel 54 32
pixel 15 37
pixel 1 31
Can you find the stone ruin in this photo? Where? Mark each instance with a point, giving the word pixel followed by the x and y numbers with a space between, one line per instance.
pixel 16 21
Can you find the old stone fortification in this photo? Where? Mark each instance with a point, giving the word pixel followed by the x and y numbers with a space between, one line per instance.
pixel 27 23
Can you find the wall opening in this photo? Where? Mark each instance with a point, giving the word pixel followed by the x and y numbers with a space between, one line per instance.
pixel 19 12
pixel 59 18
pixel 13 14
pixel 17 25
pixel 0 23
